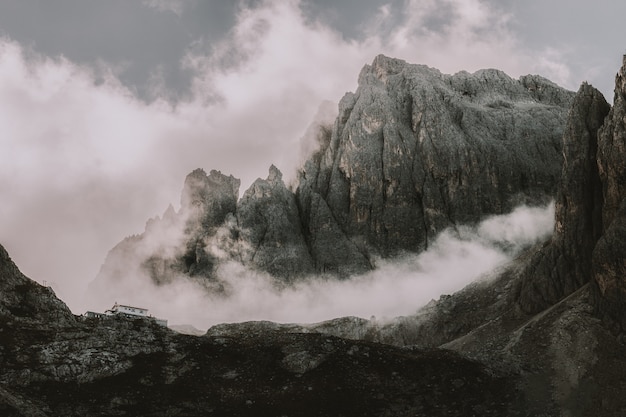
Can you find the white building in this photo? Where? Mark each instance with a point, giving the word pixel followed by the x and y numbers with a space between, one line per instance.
pixel 126 311
pixel 129 310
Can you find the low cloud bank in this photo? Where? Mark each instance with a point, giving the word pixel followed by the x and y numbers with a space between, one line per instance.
pixel 396 287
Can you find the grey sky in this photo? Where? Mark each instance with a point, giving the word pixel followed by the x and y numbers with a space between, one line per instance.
pixel 107 105
pixel 142 42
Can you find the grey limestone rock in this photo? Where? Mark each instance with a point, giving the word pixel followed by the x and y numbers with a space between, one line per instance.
pixel 609 256
pixel 207 199
pixel 612 151
pixel 270 229
pixel 175 245
pixel 414 151
pixel 564 264
pixel 411 152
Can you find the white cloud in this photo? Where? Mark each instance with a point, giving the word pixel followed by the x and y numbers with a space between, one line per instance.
pixel 396 287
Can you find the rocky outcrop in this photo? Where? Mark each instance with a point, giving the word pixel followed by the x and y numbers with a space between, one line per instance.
pixel 207 199
pixel 26 301
pixel 611 151
pixel 609 273
pixel 176 244
pixel 271 230
pixel 609 259
pixel 206 203
pixel 564 263
pixel 414 151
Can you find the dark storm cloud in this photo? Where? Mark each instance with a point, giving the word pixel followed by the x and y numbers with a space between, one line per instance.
pixel 139 41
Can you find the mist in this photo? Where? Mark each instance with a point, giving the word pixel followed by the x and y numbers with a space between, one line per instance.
pixel 399 286
pixel 85 160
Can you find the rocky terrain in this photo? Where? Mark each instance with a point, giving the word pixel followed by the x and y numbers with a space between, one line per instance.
pixel 55 364
pixel 412 152
pixel 541 336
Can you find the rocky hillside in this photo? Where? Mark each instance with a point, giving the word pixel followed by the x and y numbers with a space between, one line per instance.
pixel 413 151
pixel 55 364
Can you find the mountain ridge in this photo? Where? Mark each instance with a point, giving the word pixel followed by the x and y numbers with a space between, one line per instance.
pixel 544 335
pixel 412 152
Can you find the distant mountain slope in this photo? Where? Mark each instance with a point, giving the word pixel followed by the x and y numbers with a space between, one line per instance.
pixel 413 151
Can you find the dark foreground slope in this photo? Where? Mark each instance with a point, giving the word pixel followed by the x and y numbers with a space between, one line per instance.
pixel 55 364
pixel 412 152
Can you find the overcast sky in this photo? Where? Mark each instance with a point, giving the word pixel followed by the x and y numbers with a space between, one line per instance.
pixel 105 106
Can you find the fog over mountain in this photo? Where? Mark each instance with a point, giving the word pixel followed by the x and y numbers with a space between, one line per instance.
pixel 541 334
pixel 107 106
pixel 341 208
pixel 413 160
pixel 395 287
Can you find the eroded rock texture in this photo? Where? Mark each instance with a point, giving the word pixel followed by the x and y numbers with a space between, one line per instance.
pixel 609 257
pixel 26 300
pixel 564 264
pixel 531 340
pixel 414 151
pixel 271 231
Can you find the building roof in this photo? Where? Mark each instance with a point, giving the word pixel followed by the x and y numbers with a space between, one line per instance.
pixel 127 306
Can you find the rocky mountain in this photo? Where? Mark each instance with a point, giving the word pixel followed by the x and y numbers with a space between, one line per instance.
pixel 412 152
pixel 541 336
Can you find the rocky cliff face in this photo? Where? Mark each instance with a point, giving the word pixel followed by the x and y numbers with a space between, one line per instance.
pixel 564 264
pixel 609 259
pixel 270 225
pixel 413 151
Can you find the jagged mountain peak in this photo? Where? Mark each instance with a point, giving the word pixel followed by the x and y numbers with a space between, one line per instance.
pixel 199 186
pixel 411 152
pixel 274 174
pixel 412 149
pixel 612 144
pixel 564 265
pixel 383 67
pixel 543 336
pixel 483 86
